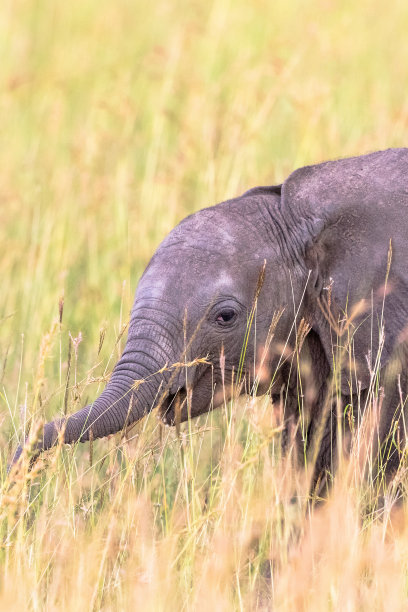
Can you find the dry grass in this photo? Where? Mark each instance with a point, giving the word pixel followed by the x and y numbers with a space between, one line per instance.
pixel 118 119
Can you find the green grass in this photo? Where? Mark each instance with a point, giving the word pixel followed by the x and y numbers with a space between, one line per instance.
pixel 117 120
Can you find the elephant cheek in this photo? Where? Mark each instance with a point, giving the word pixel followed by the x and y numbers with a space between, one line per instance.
pixel 263 368
pixel 271 365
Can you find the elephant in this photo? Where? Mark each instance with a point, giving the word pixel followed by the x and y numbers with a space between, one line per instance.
pixel 315 266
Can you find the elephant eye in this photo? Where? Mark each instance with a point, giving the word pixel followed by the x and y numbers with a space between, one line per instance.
pixel 226 316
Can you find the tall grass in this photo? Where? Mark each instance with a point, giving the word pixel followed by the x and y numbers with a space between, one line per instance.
pixel 117 120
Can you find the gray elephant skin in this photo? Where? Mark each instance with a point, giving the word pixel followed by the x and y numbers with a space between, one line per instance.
pixel 327 248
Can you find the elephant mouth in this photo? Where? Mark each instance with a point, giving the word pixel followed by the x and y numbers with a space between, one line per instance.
pixel 188 402
pixel 180 403
pixel 174 407
pixel 205 394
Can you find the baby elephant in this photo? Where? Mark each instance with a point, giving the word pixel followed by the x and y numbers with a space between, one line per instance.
pixel 313 270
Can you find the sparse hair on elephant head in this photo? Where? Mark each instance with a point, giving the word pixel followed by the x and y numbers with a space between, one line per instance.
pixel 232 288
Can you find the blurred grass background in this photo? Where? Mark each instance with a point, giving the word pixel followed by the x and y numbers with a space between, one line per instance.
pixel 117 120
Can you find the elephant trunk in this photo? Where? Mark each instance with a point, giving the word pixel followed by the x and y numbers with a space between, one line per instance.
pixel 122 402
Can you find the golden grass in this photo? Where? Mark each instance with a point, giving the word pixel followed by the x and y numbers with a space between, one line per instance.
pixel 118 119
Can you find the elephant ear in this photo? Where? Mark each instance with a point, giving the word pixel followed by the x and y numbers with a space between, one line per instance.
pixel 349 222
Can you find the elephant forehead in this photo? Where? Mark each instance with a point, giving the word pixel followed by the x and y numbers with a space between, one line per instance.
pixel 210 252
pixel 203 276
pixel 213 232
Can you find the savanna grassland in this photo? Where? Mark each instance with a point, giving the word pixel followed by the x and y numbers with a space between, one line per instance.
pixel 117 120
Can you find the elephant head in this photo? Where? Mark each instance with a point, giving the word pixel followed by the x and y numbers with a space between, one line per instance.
pixel 210 292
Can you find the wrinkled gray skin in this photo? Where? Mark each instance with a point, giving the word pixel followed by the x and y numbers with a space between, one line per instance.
pixel 326 225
